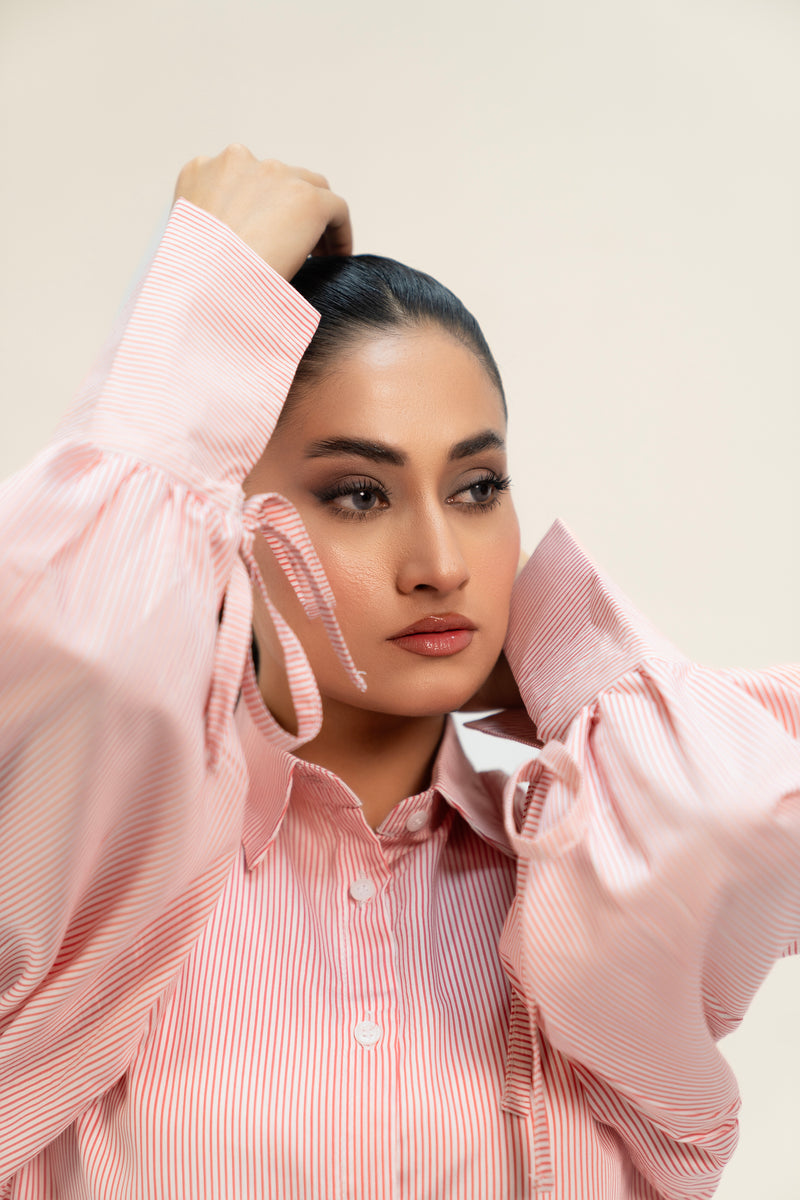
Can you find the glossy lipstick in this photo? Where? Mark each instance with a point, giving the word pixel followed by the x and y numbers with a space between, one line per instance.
pixel 436 636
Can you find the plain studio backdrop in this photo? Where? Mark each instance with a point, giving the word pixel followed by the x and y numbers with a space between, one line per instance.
pixel 612 187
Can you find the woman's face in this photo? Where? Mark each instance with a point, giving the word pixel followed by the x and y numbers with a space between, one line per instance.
pixel 396 461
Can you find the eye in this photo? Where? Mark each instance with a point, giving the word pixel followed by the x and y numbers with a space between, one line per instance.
pixel 482 493
pixel 354 498
pixel 362 500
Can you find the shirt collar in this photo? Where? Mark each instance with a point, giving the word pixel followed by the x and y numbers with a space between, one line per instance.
pixel 468 792
pixel 271 768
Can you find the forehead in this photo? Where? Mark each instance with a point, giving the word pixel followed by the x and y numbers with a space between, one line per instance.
pixel 401 386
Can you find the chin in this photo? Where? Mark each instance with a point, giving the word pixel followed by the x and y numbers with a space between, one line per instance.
pixel 420 687
pixel 410 701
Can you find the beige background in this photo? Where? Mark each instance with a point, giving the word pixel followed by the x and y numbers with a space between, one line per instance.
pixel 612 187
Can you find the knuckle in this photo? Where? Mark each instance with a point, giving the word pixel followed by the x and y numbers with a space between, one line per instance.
pixel 188 173
pixel 273 166
pixel 303 190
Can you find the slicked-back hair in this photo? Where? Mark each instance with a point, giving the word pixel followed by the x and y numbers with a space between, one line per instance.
pixel 364 294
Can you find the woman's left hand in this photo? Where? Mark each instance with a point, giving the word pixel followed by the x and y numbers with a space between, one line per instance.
pixel 498 691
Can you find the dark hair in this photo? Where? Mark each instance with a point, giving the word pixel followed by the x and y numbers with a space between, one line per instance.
pixel 360 294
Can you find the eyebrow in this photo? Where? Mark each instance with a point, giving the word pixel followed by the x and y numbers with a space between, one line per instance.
pixel 487 439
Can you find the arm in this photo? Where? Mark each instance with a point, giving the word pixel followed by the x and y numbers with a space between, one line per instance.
pixel 118 817
pixel 659 855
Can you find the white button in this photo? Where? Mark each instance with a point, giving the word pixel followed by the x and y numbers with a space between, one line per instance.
pixel 362 889
pixel 416 821
pixel 367 1033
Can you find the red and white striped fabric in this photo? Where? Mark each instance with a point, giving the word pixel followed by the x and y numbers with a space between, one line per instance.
pixel 217 981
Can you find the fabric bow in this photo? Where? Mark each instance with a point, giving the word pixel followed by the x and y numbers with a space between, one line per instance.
pixel 279 522
pixel 554 761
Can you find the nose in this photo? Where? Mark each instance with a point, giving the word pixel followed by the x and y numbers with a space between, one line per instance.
pixel 431 557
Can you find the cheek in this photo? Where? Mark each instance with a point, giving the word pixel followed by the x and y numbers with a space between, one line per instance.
pixel 348 566
pixel 496 562
pixel 359 572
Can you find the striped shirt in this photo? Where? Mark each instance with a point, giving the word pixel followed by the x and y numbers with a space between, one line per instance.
pixel 217 980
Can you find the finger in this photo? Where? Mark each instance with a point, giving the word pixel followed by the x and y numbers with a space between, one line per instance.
pixel 311 177
pixel 333 244
pixel 238 150
pixel 337 237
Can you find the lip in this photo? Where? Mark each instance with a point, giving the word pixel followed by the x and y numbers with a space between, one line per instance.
pixel 438 636
pixel 436 623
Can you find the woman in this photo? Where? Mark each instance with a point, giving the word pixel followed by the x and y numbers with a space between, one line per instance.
pixel 251 949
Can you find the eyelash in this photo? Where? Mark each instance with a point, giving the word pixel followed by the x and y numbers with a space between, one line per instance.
pixel 501 484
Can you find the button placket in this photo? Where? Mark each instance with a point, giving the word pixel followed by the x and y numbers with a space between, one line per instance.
pixel 368 935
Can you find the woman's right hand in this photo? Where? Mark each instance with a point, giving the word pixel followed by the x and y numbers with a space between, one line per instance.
pixel 284 213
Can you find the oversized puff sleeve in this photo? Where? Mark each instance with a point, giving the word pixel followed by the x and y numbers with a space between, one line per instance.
pixel 124 636
pixel 659 874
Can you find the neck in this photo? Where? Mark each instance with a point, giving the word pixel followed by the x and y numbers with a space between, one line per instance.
pixel 382 758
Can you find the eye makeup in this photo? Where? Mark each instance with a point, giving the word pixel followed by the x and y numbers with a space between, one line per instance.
pixel 499 485
pixel 361 491
pixel 359 497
